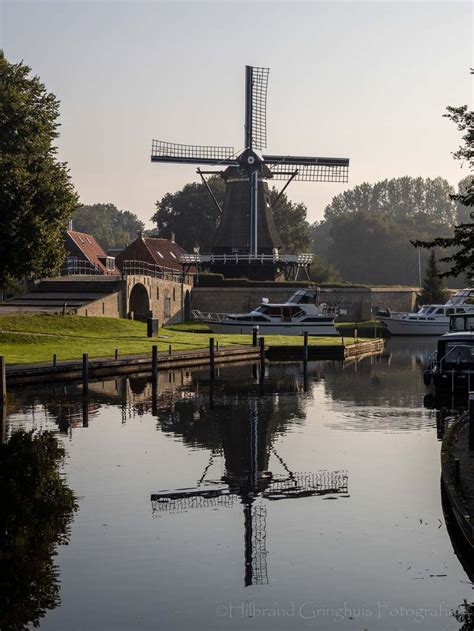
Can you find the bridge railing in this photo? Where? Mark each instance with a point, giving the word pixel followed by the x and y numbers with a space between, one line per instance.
pixel 143 268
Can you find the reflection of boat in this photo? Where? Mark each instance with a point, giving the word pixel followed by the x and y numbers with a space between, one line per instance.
pixel 430 319
pixel 452 366
pixel 301 313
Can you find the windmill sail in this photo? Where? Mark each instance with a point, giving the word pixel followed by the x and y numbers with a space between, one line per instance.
pixel 256 85
pixel 309 169
pixel 192 154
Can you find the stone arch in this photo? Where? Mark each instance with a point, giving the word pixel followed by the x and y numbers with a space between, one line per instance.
pixel 139 302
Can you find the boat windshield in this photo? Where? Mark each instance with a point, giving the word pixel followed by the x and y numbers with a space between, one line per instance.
pixel 463 296
pixel 305 297
pixel 459 352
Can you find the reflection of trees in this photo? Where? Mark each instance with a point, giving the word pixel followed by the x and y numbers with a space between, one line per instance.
pixel 465 614
pixel 36 512
pixel 393 379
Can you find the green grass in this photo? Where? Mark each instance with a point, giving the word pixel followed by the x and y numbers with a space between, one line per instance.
pixel 28 339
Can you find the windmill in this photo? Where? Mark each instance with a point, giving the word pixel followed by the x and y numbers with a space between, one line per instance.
pixel 247 241
pixel 246 447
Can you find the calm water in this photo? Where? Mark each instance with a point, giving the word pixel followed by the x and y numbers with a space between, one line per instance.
pixel 314 505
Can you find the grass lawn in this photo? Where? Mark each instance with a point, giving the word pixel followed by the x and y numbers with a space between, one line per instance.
pixel 28 339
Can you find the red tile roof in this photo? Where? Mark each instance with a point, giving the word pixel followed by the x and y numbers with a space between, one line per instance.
pixel 90 249
pixel 162 252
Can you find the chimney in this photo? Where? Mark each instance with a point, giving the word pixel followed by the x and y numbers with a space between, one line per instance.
pixel 172 237
pixel 69 225
pixel 140 234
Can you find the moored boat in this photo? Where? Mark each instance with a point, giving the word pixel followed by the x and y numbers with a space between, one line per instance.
pixel 430 319
pixel 451 368
pixel 301 313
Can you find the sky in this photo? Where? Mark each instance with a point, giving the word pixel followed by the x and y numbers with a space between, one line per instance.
pixel 369 81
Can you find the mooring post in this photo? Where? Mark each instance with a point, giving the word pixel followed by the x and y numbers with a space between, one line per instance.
pixel 211 357
pixel 457 471
pixel 471 421
pixel 169 349
pixel 116 354
pixel 217 345
pixel 261 342
pixel 305 347
pixel 254 336
pixel 85 412
pixel 85 372
pixel 54 359
pixel 154 363
pixel 3 380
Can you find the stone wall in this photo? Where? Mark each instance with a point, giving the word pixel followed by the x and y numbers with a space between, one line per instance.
pixel 166 297
pixel 109 306
pixel 356 301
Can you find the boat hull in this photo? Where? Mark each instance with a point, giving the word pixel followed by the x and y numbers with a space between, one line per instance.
pixel 325 329
pixel 396 326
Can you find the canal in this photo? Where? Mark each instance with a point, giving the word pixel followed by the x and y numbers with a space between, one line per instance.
pixel 283 502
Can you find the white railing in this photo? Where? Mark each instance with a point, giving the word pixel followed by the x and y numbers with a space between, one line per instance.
pixel 295 259
pixel 80 268
pixel 142 268
pixel 207 315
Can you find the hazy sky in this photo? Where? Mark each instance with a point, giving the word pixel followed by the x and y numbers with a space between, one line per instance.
pixel 364 80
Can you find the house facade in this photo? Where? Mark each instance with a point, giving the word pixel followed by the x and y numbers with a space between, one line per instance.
pixel 85 256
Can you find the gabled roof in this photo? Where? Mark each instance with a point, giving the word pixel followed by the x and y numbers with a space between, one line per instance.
pixel 90 249
pixel 157 251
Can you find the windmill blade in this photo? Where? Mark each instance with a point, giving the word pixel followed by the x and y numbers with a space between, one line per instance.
pixel 307 484
pixel 310 169
pixel 192 154
pixel 197 497
pixel 256 84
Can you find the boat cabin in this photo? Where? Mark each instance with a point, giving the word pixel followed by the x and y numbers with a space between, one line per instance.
pixel 455 351
pixel 463 322
pixel 434 312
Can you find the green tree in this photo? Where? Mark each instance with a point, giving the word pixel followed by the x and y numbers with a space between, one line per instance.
pixel 113 228
pixel 36 194
pixel 461 258
pixel 366 231
pixel 193 217
pixel 434 289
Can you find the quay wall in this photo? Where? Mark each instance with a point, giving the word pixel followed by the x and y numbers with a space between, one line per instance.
pixel 357 301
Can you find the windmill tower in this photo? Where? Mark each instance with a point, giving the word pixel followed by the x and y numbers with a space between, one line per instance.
pixel 247 241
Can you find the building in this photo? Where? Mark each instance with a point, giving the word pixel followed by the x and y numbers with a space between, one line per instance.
pixel 159 253
pixel 85 256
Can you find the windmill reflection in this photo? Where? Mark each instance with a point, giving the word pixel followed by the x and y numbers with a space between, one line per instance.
pixel 245 427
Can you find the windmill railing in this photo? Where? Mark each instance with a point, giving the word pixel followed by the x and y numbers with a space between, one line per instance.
pixel 292 259
pixel 142 268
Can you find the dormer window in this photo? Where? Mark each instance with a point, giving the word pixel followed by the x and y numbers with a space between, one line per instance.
pixel 160 254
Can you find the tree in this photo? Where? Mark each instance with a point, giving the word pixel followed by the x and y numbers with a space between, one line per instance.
pixel 193 217
pixel 366 230
pixel 36 194
pixel 434 289
pixel 113 228
pixel 462 241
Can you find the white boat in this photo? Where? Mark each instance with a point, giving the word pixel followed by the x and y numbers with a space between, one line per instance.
pixel 299 314
pixel 430 319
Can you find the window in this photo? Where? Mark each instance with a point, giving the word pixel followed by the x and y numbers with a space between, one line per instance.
pixel 157 293
pixel 440 312
pixel 173 255
pixel 174 294
pixel 160 254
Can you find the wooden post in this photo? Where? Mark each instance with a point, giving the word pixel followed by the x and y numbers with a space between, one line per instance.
pixel 85 372
pixel 3 380
pixel 305 347
pixel 457 471
pixel 154 363
pixel 262 350
pixel 471 421
pixel 254 336
pixel 55 359
pixel 169 349
pixel 85 412
pixel 116 354
pixel 211 357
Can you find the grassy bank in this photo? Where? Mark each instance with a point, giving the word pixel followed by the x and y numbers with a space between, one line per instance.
pixel 28 339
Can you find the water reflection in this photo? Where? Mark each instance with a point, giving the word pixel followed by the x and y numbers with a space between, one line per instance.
pixel 241 429
pixel 37 510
